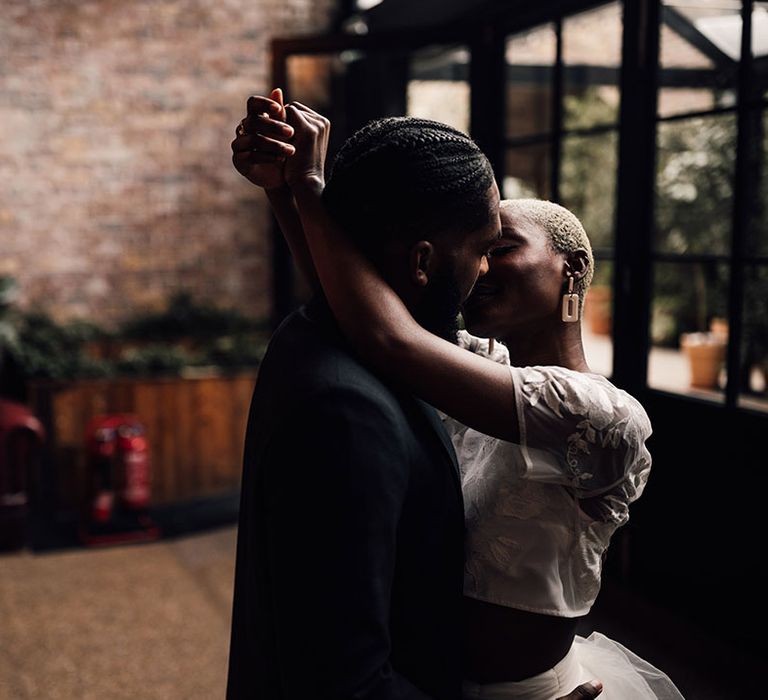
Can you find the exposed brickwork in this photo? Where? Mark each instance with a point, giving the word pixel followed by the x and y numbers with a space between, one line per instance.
pixel 116 185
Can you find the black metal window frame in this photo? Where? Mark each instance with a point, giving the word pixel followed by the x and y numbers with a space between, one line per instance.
pixel 633 255
pixel 737 259
pixel 631 251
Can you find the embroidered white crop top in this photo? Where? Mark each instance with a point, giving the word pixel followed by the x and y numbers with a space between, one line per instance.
pixel 529 544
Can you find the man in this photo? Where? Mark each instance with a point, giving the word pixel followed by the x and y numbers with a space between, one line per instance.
pixel 350 543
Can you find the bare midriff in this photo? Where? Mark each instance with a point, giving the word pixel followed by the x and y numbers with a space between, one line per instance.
pixel 504 644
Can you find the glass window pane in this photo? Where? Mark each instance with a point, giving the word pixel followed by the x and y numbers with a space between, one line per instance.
pixel 530 57
pixel 591 61
pixel 320 81
pixel 760 48
pixel 760 29
pixel 588 184
pixel 351 87
pixel 715 22
pixel 528 172
pixel 309 78
pixel 598 316
pixel 438 86
pixel 699 53
pixel 757 180
pixel 755 345
pixel 689 328
pixel 694 185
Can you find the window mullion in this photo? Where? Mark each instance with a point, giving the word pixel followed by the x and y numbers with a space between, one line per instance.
pixel 557 113
pixel 741 208
pixel 634 206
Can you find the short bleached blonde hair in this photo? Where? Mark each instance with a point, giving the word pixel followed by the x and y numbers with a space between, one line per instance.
pixel 565 231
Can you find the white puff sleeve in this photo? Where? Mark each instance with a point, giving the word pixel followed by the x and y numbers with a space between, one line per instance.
pixel 579 430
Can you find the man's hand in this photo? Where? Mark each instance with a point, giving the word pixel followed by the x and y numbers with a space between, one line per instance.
pixel 585 691
pixel 261 145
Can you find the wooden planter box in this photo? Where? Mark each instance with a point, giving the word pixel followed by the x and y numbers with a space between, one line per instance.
pixel 195 429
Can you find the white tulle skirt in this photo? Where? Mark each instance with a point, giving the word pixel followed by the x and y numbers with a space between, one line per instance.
pixel 624 675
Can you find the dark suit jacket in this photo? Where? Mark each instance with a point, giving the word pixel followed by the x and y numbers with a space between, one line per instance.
pixel 350 546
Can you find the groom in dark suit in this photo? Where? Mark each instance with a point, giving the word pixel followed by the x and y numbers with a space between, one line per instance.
pixel 349 557
pixel 350 543
pixel 350 548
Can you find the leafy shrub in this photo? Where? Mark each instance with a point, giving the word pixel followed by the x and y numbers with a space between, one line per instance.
pixel 185 318
pixel 34 346
pixel 153 360
pixel 45 349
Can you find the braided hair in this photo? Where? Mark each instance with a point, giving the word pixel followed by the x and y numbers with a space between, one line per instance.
pixel 402 178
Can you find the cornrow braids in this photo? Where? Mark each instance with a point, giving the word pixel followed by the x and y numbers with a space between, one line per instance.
pixel 407 178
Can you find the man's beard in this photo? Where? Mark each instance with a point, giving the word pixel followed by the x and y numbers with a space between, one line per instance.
pixel 439 310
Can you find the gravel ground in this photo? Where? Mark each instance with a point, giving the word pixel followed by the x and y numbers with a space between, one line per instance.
pixel 143 620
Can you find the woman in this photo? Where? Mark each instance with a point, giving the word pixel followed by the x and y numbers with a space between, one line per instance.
pixel 551 454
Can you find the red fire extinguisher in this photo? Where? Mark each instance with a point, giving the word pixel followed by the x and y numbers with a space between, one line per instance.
pixel 119 493
pixel 133 464
pixel 102 441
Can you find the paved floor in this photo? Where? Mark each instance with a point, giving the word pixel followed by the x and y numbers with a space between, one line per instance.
pixel 151 621
pixel 146 621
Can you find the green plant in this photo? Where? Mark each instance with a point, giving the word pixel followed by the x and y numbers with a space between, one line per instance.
pixel 185 318
pixel 34 346
pixel 8 335
pixel 588 167
pixel 11 382
pixel 233 351
pixel 153 360
pixel 694 196
pixel 50 350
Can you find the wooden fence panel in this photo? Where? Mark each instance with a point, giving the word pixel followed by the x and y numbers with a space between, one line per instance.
pixel 195 430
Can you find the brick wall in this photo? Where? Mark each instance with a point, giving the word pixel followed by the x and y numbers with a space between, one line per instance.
pixel 116 185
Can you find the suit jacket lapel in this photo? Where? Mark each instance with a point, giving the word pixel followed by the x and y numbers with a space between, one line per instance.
pixel 437 426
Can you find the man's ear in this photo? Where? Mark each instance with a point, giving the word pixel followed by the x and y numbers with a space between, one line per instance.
pixel 577 263
pixel 420 261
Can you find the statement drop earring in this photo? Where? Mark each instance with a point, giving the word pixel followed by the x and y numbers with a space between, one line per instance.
pixel 570 304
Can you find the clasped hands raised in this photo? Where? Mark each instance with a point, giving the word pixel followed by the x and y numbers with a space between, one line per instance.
pixel 278 146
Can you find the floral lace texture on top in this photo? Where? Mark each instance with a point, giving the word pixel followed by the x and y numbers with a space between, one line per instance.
pixel 540 514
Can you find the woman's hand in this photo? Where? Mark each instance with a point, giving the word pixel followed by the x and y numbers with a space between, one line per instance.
pixel 311 133
pixel 261 146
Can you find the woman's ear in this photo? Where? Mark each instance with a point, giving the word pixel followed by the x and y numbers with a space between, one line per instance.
pixel 577 263
pixel 420 261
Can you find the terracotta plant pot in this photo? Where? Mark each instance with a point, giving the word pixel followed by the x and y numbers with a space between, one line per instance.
pixel 706 354
pixel 597 309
